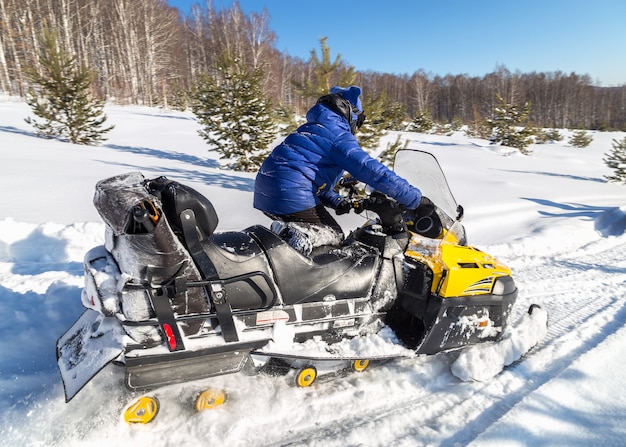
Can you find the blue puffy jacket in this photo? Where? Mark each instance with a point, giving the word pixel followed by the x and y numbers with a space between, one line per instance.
pixel 302 171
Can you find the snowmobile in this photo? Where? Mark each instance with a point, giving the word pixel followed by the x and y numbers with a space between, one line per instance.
pixel 171 300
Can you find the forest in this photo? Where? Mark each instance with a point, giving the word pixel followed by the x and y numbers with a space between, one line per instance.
pixel 146 52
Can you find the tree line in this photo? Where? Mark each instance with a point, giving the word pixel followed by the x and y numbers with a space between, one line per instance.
pixel 146 52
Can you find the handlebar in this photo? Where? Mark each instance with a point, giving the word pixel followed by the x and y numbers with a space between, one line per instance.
pixel 389 211
pixel 394 219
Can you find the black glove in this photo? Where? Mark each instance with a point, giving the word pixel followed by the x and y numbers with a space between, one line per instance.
pixel 426 222
pixel 425 208
pixel 343 207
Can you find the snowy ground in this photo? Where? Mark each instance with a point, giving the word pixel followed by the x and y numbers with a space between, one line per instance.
pixel 550 217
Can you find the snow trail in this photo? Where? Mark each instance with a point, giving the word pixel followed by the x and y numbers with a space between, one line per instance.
pixel 556 222
pixel 400 401
pixel 455 413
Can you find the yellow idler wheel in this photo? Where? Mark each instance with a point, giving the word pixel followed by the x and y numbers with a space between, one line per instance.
pixel 141 411
pixel 306 376
pixel 210 398
pixel 360 365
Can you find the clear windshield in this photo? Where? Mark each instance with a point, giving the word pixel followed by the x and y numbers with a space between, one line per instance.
pixel 422 170
pixel 455 234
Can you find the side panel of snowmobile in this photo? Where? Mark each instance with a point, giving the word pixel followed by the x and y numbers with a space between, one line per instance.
pixel 89 345
pixel 336 313
pixel 461 321
pixel 452 296
pixel 150 371
pixel 470 271
pixel 458 270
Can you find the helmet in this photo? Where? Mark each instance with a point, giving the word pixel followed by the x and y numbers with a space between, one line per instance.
pixel 346 102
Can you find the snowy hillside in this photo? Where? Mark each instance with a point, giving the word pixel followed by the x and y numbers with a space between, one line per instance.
pixel 549 216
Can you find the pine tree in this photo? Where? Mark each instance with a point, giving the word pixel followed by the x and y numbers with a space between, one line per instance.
pixel 62 97
pixel 285 120
pixel 177 97
pixel 235 115
pixel 422 122
pixel 394 116
pixel 324 72
pixel 382 115
pixel 580 138
pixel 374 127
pixel 388 155
pixel 479 128
pixel 380 112
pixel 616 160
pixel 548 135
pixel 456 124
pixel 504 125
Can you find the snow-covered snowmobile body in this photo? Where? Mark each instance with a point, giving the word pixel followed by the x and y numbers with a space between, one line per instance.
pixel 172 300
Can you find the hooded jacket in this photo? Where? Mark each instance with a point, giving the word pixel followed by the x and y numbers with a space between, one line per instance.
pixel 302 171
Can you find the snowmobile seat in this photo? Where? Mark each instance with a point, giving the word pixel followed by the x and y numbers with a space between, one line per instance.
pixel 237 255
pixel 339 274
pixel 176 197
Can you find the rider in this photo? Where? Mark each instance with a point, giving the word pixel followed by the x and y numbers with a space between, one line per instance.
pixel 297 180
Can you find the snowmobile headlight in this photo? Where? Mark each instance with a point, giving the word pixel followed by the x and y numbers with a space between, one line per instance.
pixel 504 285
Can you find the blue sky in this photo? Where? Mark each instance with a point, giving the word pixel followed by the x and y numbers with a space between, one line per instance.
pixel 442 37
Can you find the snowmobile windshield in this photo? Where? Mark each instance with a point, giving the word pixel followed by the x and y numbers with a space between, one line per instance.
pixel 422 170
pixel 455 235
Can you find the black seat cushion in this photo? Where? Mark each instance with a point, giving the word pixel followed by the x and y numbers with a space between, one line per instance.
pixel 339 274
pixel 176 197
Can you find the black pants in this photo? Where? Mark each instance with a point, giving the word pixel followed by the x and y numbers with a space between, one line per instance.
pixel 318 215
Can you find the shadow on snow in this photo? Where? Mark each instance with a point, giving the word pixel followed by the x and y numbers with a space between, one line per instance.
pixel 11 129
pixel 166 155
pixel 554 174
pixel 608 221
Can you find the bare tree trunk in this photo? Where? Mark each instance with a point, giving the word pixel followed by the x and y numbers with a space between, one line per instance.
pixel 5 79
pixel 14 28
pixel 129 47
pixel 66 26
pixel 421 83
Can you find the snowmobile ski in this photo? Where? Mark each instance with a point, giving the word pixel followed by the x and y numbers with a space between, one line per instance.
pixel 483 362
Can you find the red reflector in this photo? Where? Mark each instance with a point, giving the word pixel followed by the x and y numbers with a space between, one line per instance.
pixel 170 336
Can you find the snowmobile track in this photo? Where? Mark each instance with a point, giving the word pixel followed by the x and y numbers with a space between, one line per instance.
pixel 475 399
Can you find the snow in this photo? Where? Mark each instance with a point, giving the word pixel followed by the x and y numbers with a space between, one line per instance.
pixel 371 346
pixel 550 216
pixel 483 362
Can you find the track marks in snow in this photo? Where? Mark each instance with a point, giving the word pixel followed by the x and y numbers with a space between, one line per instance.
pixel 582 284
